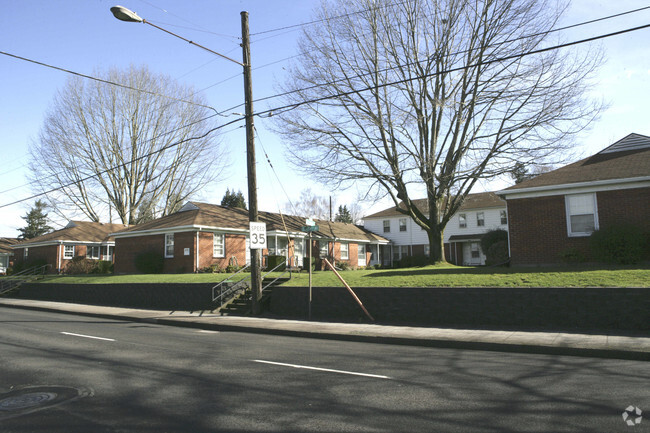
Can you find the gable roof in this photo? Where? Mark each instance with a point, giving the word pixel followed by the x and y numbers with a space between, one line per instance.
pixel 481 200
pixel 626 160
pixel 76 231
pixel 6 243
pixel 195 215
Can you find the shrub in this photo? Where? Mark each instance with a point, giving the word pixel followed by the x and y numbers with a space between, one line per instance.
pixel 619 243
pixel 497 254
pixel 273 261
pixel 104 267
pixel 150 262
pixel 413 261
pixel 344 266
pixel 492 237
pixel 81 265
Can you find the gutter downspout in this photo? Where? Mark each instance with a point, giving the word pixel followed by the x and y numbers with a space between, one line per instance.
pixel 197 251
pixel 59 256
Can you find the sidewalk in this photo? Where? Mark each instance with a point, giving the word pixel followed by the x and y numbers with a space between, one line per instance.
pixel 608 346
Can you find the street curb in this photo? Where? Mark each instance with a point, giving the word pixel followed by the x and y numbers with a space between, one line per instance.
pixel 393 340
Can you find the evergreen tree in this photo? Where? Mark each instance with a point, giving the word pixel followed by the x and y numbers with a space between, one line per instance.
pixel 36 222
pixel 232 199
pixel 343 215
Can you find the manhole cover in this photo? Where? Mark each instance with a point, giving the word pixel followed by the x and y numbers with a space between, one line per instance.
pixel 26 401
pixel 21 401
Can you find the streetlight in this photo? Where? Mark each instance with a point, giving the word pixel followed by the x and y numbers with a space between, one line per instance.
pixel 124 14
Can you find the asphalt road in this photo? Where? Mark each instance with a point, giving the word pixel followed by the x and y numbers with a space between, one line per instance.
pixel 66 373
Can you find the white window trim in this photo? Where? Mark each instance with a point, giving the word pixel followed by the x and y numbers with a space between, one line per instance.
pixel 386 226
pixel 215 253
pixel 346 251
pixel 403 227
pixel 65 252
pixel 570 233
pixel 503 214
pixel 462 220
pixel 480 219
pixel 167 235
pixel 89 250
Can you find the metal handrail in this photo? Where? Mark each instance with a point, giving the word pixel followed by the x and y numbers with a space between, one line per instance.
pixel 230 289
pixel 10 282
pixel 288 269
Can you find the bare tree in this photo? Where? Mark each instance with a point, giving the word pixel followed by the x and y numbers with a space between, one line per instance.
pixel 107 149
pixel 424 97
pixel 309 205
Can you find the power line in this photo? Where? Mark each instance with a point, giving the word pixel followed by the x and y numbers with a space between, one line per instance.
pixel 101 80
pixel 315 86
pixel 122 165
pixel 295 105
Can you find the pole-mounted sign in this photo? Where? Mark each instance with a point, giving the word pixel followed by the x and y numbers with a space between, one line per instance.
pixel 258 235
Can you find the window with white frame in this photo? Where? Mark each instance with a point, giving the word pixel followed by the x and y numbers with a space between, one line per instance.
pixel 218 245
pixel 26 252
pixel 476 252
pixel 93 252
pixel 169 245
pixel 345 251
pixel 386 226
pixel 462 220
pixel 402 224
pixel 504 217
pixel 427 250
pixel 323 247
pixel 480 219
pixel 582 214
pixel 68 251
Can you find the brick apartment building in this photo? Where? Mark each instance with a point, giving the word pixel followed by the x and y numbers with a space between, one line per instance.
pixel 557 211
pixel 201 235
pixel 79 238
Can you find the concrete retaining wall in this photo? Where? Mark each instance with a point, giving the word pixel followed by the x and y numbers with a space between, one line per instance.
pixel 570 309
pixel 588 309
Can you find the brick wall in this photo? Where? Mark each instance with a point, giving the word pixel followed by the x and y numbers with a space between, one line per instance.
pixel 538 227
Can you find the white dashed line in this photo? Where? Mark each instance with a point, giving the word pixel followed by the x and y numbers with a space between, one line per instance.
pixel 328 370
pixel 87 336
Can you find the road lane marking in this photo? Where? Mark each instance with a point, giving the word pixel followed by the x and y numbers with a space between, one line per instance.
pixel 328 370
pixel 87 336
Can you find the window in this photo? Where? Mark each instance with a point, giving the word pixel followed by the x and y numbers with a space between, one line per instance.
pixel 480 219
pixel 504 218
pixel 399 252
pixel 582 217
pixel 25 253
pixel 402 224
pixel 427 250
pixel 324 248
pixel 270 245
pixel 476 252
pixel 386 226
pixel 462 220
pixel 169 245
pixel 68 251
pixel 92 253
pixel 345 251
pixel 218 245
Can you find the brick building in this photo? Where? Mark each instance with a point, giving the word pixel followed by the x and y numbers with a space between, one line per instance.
pixel 201 235
pixel 6 254
pixel 79 238
pixel 556 212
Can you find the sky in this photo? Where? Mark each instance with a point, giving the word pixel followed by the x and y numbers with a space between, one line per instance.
pixel 84 37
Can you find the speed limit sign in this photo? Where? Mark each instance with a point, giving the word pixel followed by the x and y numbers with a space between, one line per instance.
pixel 258 235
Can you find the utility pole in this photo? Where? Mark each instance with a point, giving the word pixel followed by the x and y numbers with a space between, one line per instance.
pixel 256 281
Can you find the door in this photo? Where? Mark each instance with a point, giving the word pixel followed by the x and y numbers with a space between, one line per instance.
pixel 362 255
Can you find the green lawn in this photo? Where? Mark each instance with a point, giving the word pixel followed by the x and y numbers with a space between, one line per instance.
pixel 428 276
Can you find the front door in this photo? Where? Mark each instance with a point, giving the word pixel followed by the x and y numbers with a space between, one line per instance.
pixel 362 255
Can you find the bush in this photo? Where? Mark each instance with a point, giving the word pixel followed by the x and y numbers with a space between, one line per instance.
pixel 344 266
pixel 81 265
pixel 149 262
pixel 492 237
pixel 620 243
pixel 497 254
pixel 273 261
pixel 104 267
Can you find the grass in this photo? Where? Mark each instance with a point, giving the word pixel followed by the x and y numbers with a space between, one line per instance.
pixel 443 275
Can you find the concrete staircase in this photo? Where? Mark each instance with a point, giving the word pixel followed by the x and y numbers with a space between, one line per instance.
pixel 242 305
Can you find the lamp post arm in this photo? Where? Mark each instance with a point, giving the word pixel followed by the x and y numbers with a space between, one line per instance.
pixel 194 43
